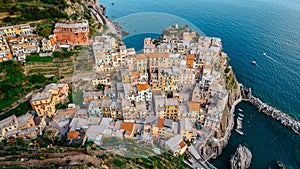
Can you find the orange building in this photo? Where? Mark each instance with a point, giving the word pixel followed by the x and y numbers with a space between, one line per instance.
pixel 190 61
pixel 74 34
pixel 128 128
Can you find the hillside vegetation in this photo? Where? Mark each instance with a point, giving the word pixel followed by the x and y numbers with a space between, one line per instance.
pixel 14 84
pixel 23 11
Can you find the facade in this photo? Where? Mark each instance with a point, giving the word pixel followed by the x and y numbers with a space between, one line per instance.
pixel 16 30
pixel 141 62
pixel 8 127
pixel 149 47
pixel 102 78
pixel 185 130
pixel 5 53
pixel 144 93
pixel 43 103
pixel 194 112
pixel 95 109
pixel 172 109
pixel 167 79
pixel 129 110
pixel 47 45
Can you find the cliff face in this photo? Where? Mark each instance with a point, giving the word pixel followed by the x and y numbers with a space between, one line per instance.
pixel 241 158
pixel 214 148
pixel 232 85
pixel 227 123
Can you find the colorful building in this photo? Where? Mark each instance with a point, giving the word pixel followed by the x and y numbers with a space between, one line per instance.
pixel 74 34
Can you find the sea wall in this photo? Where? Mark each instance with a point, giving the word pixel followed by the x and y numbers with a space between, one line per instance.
pixel 270 111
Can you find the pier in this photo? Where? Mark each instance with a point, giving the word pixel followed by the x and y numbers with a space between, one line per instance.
pixel 268 110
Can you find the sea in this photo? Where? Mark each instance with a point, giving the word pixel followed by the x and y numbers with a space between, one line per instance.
pixel 265 31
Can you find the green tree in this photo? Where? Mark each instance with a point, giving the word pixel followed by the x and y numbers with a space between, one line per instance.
pixel 50 135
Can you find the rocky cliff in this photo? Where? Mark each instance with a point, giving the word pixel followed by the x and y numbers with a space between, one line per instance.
pixel 214 145
pixel 241 158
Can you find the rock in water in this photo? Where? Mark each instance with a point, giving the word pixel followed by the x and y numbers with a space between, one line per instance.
pixel 241 158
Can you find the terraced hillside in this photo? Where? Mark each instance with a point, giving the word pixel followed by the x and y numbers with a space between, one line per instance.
pixel 58 67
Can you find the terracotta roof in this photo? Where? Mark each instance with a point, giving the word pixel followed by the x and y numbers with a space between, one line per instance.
pixel 190 56
pixel 194 106
pixel 9 56
pixel 141 87
pixel 160 123
pixel 134 73
pixel 153 55
pixel 128 126
pixel 141 57
pixel 164 55
pixel 182 144
pixel 73 134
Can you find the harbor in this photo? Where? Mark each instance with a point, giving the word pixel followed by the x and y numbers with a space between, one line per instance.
pixel 270 111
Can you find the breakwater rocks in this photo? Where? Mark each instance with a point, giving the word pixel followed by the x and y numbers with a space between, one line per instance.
pixel 268 110
pixel 283 118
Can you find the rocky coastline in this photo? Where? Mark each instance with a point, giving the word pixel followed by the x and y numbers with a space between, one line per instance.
pixel 241 159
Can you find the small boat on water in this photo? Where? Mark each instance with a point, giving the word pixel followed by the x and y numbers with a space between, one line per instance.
pixel 240 118
pixel 264 54
pixel 240 114
pixel 239 131
pixel 240 110
pixel 253 62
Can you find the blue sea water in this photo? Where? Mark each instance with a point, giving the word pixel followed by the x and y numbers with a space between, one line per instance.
pixel 248 29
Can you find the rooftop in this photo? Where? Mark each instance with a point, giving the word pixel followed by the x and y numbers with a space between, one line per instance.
pixel 172 102
pixel 193 106
pixel 160 123
pixel 141 57
pixel 128 127
pixel 72 25
pixel 141 87
pixel 41 96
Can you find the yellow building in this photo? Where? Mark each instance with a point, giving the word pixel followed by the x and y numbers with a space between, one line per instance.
pixel 106 105
pixel 126 76
pixel 168 79
pixel 141 63
pixel 172 109
pixel 43 104
pixel 8 127
pixel 12 31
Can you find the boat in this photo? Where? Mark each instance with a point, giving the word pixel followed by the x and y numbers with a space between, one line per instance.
pixel 240 114
pixel 239 131
pixel 264 54
pixel 240 118
pixel 240 110
pixel 253 62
